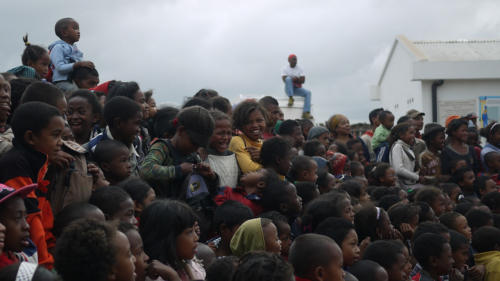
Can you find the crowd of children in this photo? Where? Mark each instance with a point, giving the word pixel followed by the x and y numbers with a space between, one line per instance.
pixel 99 184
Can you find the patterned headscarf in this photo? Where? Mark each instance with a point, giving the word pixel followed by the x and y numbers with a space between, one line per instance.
pixel 334 121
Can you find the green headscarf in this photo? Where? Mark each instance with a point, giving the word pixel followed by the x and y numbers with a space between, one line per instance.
pixel 248 237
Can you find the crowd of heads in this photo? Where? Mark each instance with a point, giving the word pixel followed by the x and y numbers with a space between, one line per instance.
pixel 100 184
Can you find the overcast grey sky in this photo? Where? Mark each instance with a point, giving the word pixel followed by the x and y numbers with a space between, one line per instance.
pixel 240 47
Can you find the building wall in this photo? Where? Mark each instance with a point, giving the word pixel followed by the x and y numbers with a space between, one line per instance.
pixel 397 92
pixel 456 92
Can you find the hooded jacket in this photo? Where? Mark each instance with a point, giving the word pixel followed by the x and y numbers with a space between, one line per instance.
pixel 491 261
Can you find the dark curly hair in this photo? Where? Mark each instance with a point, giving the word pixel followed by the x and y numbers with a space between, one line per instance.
pixel 243 111
pixel 256 266
pixel 85 251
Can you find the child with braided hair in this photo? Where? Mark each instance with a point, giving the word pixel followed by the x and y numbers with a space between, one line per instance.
pixel 35 61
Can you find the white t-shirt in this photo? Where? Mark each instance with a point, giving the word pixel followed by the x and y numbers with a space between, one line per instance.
pixel 292 72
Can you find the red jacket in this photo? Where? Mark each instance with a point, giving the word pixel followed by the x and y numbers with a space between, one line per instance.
pixel 239 194
pixel 22 166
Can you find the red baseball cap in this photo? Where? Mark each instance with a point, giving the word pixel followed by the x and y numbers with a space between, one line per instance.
pixel 7 192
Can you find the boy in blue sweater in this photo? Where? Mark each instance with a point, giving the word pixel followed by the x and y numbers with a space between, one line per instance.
pixel 64 55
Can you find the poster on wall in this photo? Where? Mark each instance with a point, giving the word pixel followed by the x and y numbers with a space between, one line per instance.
pixel 455 107
pixel 489 110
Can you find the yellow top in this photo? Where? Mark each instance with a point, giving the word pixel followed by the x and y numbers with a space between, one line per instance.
pixel 238 145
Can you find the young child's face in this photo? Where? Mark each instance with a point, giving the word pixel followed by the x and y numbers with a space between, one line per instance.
pixel 438 141
pixel 285 237
pixel 489 186
pixel 124 267
pixel 397 270
pixel 333 271
pixel 129 129
pixel 444 262
pixel 408 267
pixel 311 174
pixel 331 182
pixel 13 218
pixel 141 101
pixel 461 256
pixel 438 205
pixel 321 151
pixel 454 194
pixel 150 197
pixel 141 259
pixel 186 244
pixel 294 201
pixel 119 167
pixel 462 227
pixel 255 126
pixel 389 178
pixel 67 134
pixel 409 136
pixel 285 163
pixel 347 210
pixel 72 33
pixel 126 213
pixel 384 228
pixel 49 139
pixel 324 139
pixel 467 182
pixel 41 66
pixel 219 141
pixel 388 121
pixel 88 82
pixel 273 243
pixel 350 248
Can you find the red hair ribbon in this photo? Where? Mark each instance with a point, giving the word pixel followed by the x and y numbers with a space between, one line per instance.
pixel 175 122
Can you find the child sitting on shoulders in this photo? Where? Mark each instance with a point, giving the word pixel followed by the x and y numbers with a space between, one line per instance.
pixel 170 161
pixel 221 160
pixel 249 118
pixel 64 55
pixel 35 61
pixel 316 257
pixel 113 159
pixel 382 132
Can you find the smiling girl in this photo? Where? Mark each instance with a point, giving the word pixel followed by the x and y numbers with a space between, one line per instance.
pixel 248 117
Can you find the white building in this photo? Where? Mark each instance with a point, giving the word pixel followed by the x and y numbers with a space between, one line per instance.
pixel 441 78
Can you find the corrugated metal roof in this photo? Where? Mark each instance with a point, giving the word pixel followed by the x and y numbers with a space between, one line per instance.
pixel 459 50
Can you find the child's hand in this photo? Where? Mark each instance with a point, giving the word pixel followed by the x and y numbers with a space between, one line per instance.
pixel 156 268
pixel 476 273
pixel 407 230
pixel 254 153
pixel 204 170
pixel 456 275
pixel 97 175
pixel 88 64
pixel 61 159
pixel 187 168
pixel 363 245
